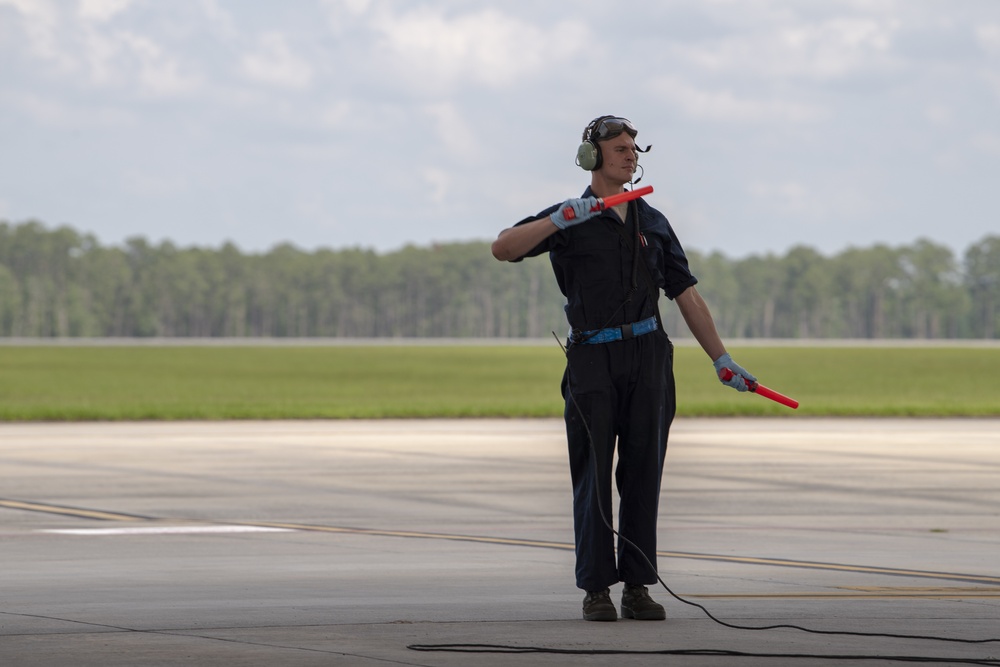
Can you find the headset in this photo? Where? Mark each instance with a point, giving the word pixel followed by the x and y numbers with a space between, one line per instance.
pixel 588 154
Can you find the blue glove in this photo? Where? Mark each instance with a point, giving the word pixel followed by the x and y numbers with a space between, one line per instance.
pixel 740 374
pixel 579 211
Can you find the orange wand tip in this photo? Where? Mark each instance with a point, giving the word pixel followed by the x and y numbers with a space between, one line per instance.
pixel 726 374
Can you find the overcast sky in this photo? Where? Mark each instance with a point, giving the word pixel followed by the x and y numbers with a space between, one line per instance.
pixel 382 123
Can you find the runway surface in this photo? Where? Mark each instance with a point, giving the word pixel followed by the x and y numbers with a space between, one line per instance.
pixel 347 542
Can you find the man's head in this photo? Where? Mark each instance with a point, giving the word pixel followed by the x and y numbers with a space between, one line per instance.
pixel 608 149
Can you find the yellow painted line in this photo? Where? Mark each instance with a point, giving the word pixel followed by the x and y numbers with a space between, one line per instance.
pixel 70 511
pixel 416 534
pixel 885 594
pixel 861 569
pixel 920 589
pixel 215 529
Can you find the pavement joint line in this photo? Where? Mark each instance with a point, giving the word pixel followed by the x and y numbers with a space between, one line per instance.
pixel 200 634
pixel 68 620
pixel 200 529
pixel 746 560
pixel 65 510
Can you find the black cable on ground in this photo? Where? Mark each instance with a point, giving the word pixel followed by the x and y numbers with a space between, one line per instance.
pixel 505 648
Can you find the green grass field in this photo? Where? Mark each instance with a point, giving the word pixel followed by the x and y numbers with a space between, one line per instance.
pixel 59 383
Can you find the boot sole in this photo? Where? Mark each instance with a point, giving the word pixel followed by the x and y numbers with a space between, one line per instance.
pixel 652 615
pixel 601 616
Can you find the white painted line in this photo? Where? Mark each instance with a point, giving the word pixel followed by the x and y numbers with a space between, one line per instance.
pixel 166 530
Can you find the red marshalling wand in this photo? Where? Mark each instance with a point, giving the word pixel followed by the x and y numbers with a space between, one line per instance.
pixel 726 374
pixel 613 200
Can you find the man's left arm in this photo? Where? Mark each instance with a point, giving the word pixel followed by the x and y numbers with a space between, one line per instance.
pixel 699 320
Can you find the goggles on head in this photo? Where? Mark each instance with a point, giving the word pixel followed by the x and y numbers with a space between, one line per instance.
pixel 609 127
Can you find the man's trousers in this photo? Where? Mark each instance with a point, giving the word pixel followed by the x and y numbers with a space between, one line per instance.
pixel 621 393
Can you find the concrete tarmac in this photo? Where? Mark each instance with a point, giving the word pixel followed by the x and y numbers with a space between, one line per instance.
pixel 347 542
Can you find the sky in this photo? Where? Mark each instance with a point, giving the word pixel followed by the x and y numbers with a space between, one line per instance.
pixel 379 124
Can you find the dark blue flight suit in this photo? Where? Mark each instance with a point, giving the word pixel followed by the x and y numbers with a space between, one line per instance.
pixel 624 388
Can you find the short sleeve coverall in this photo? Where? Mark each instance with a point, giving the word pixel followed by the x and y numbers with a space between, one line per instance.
pixel 621 390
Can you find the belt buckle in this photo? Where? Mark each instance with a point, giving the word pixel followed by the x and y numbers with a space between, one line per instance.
pixel 627 332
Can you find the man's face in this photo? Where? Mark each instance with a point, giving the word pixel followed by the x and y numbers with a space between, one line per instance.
pixel 619 158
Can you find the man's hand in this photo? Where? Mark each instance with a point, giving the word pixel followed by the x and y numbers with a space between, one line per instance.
pixel 580 211
pixel 740 375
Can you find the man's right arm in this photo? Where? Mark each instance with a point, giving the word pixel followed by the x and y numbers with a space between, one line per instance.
pixel 514 242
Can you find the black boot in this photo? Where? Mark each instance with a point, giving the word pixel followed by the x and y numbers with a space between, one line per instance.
pixel 637 604
pixel 597 606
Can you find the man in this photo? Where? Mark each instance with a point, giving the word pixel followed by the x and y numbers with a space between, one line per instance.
pixel 618 383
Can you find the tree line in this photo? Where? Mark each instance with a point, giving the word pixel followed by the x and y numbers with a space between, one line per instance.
pixel 62 283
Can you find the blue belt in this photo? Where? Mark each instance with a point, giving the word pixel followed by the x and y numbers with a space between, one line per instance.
pixel 623 332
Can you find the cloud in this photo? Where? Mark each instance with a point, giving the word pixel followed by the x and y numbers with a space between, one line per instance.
pixel 336 113
pixel 102 10
pixel 337 10
pixel 786 196
pixel 156 186
pixel 158 72
pixel 787 45
pixel 989 37
pixel 770 64
pixel 40 19
pixel 219 19
pixel 486 47
pixel 939 114
pixel 729 107
pixel 273 63
pixel 988 143
pixel 452 130
pixel 835 47
pixel 992 79
pixel 99 53
pixel 52 112
pixel 81 45
pixel 438 184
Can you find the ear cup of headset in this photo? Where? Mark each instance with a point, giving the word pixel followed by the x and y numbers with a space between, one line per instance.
pixel 588 156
